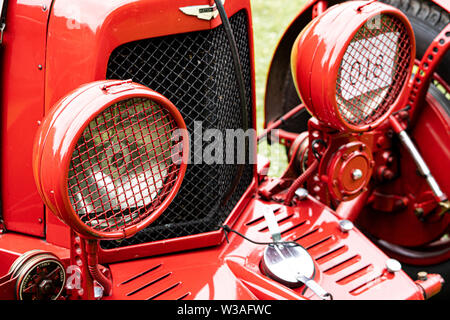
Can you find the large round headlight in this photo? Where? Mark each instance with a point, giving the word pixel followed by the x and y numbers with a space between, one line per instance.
pixel 110 157
pixel 352 63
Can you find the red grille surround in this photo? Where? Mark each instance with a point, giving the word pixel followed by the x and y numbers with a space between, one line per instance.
pixel 110 158
pixel 351 65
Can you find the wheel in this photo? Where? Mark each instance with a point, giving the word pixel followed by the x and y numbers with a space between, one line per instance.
pixel 428 20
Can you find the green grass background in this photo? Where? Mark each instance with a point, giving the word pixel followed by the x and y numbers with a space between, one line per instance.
pixel 270 19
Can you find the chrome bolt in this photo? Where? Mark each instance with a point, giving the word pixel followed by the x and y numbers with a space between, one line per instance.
pixel 301 193
pixel 422 276
pixel 45 286
pixel 345 225
pixel 98 292
pixel 393 266
pixel 357 174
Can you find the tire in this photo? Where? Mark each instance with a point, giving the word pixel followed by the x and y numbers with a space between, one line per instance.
pixel 427 20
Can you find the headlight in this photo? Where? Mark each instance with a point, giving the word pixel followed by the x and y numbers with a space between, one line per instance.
pixel 352 63
pixel 110 157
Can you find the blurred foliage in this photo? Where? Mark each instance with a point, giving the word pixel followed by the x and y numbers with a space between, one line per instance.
pixel 270 19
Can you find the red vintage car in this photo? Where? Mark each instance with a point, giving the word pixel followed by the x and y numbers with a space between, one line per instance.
pixel 129 167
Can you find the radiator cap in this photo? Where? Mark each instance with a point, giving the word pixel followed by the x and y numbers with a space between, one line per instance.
pixel 285 262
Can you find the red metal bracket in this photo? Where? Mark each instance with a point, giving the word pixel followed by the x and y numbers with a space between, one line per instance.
pixel 7 287
pixel 430 60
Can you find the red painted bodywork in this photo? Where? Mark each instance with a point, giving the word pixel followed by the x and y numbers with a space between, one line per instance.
pixel 349 266
pixel 23 84
pixel 69 46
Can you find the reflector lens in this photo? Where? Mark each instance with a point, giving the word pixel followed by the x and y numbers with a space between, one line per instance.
pixel 121 168
pixel 373 70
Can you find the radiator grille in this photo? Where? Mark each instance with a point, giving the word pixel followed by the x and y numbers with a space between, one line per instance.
pixel 194 71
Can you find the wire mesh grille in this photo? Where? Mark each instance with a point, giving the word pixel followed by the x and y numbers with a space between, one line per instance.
pixel 121 168
pixel 195 71
pixel 373 70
